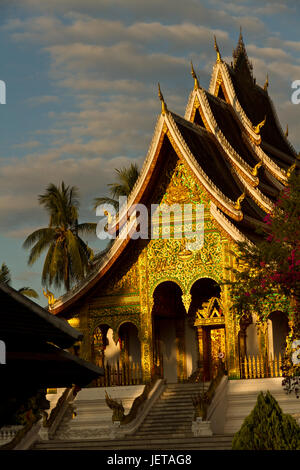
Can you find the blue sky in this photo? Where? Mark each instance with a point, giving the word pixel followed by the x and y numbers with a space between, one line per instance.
pixel 81 81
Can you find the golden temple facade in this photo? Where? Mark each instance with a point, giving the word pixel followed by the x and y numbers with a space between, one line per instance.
pixel 157 303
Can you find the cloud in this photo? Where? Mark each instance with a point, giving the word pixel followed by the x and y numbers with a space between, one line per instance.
pixel 104 59
pixel 27 276
pixel 141 11
pixel 27 145
pixel 43 99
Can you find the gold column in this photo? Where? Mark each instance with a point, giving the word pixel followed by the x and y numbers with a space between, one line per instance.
pixel 231 325
pixel 200 344
pixel 146 319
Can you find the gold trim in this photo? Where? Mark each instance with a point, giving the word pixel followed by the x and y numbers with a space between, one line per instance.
pixel 259 125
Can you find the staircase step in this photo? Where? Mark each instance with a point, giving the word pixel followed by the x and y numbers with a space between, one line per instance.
pixel 159 442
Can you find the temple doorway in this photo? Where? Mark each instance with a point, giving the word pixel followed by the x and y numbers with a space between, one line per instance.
pixel 278 329
pixel 207 311
pixel 174 342
pixel 130 346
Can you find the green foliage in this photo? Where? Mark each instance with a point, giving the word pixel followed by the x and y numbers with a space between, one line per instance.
pixel 267 428
pixel 267 275
pixel 31 409
pixel 5 274
pixel 5 277
pixel 68 258
pixel 126 179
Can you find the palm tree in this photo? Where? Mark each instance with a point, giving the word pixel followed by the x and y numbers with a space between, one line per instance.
pixel 126 178
pixel 68 257
pixel 6 279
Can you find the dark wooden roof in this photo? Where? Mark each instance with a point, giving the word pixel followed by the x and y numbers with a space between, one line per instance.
pixel 21 317
pixel 34 339
pixel 47 366
pixel 256 103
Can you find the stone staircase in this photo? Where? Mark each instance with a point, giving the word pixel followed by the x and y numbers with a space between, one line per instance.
pixel 167 426
pixel 93 417
pixel 242 396
pixel 172 414
pixel 139 443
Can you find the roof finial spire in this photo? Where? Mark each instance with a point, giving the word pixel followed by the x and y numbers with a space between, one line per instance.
pixel 266 83
pixel 217 51
pixel 196 82
pixel 163 104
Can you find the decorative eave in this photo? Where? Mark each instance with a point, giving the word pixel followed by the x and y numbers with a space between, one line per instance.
pixel 169 128
pixel 253 138
pixel 259 198
pixel 268 163
pixel 226 227
pixel 220 75
pixel 198 100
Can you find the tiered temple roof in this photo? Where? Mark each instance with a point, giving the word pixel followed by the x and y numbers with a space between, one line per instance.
pixel 231 140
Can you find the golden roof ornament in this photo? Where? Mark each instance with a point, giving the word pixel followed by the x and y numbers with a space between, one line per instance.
pixel 259 126
pixel 237 205
pixel 217 51
pixel 266 83
pixel 196 82
pixel 50 297
pixel 290 170
pixel 256 168
pixel 287 130
pixel 163 104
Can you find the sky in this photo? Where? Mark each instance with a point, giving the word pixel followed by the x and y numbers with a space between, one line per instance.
pixel 81 91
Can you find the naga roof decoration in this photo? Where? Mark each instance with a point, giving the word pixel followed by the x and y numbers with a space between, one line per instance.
pixel 231 142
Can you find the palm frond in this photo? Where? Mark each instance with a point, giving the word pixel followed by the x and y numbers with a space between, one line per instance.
pixel 87 227
pixel 126 180
pixel 41 246
pixel 100 201
pixel 5 274
pixel 37 235
pixel 29 292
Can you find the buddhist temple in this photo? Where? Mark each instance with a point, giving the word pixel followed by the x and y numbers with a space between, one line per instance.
pixel 156 302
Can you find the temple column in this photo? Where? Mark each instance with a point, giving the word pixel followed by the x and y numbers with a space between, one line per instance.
pixel 146 304
pixel 86 345
pixel 200 344
pixel 206 354
pixel 232 327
